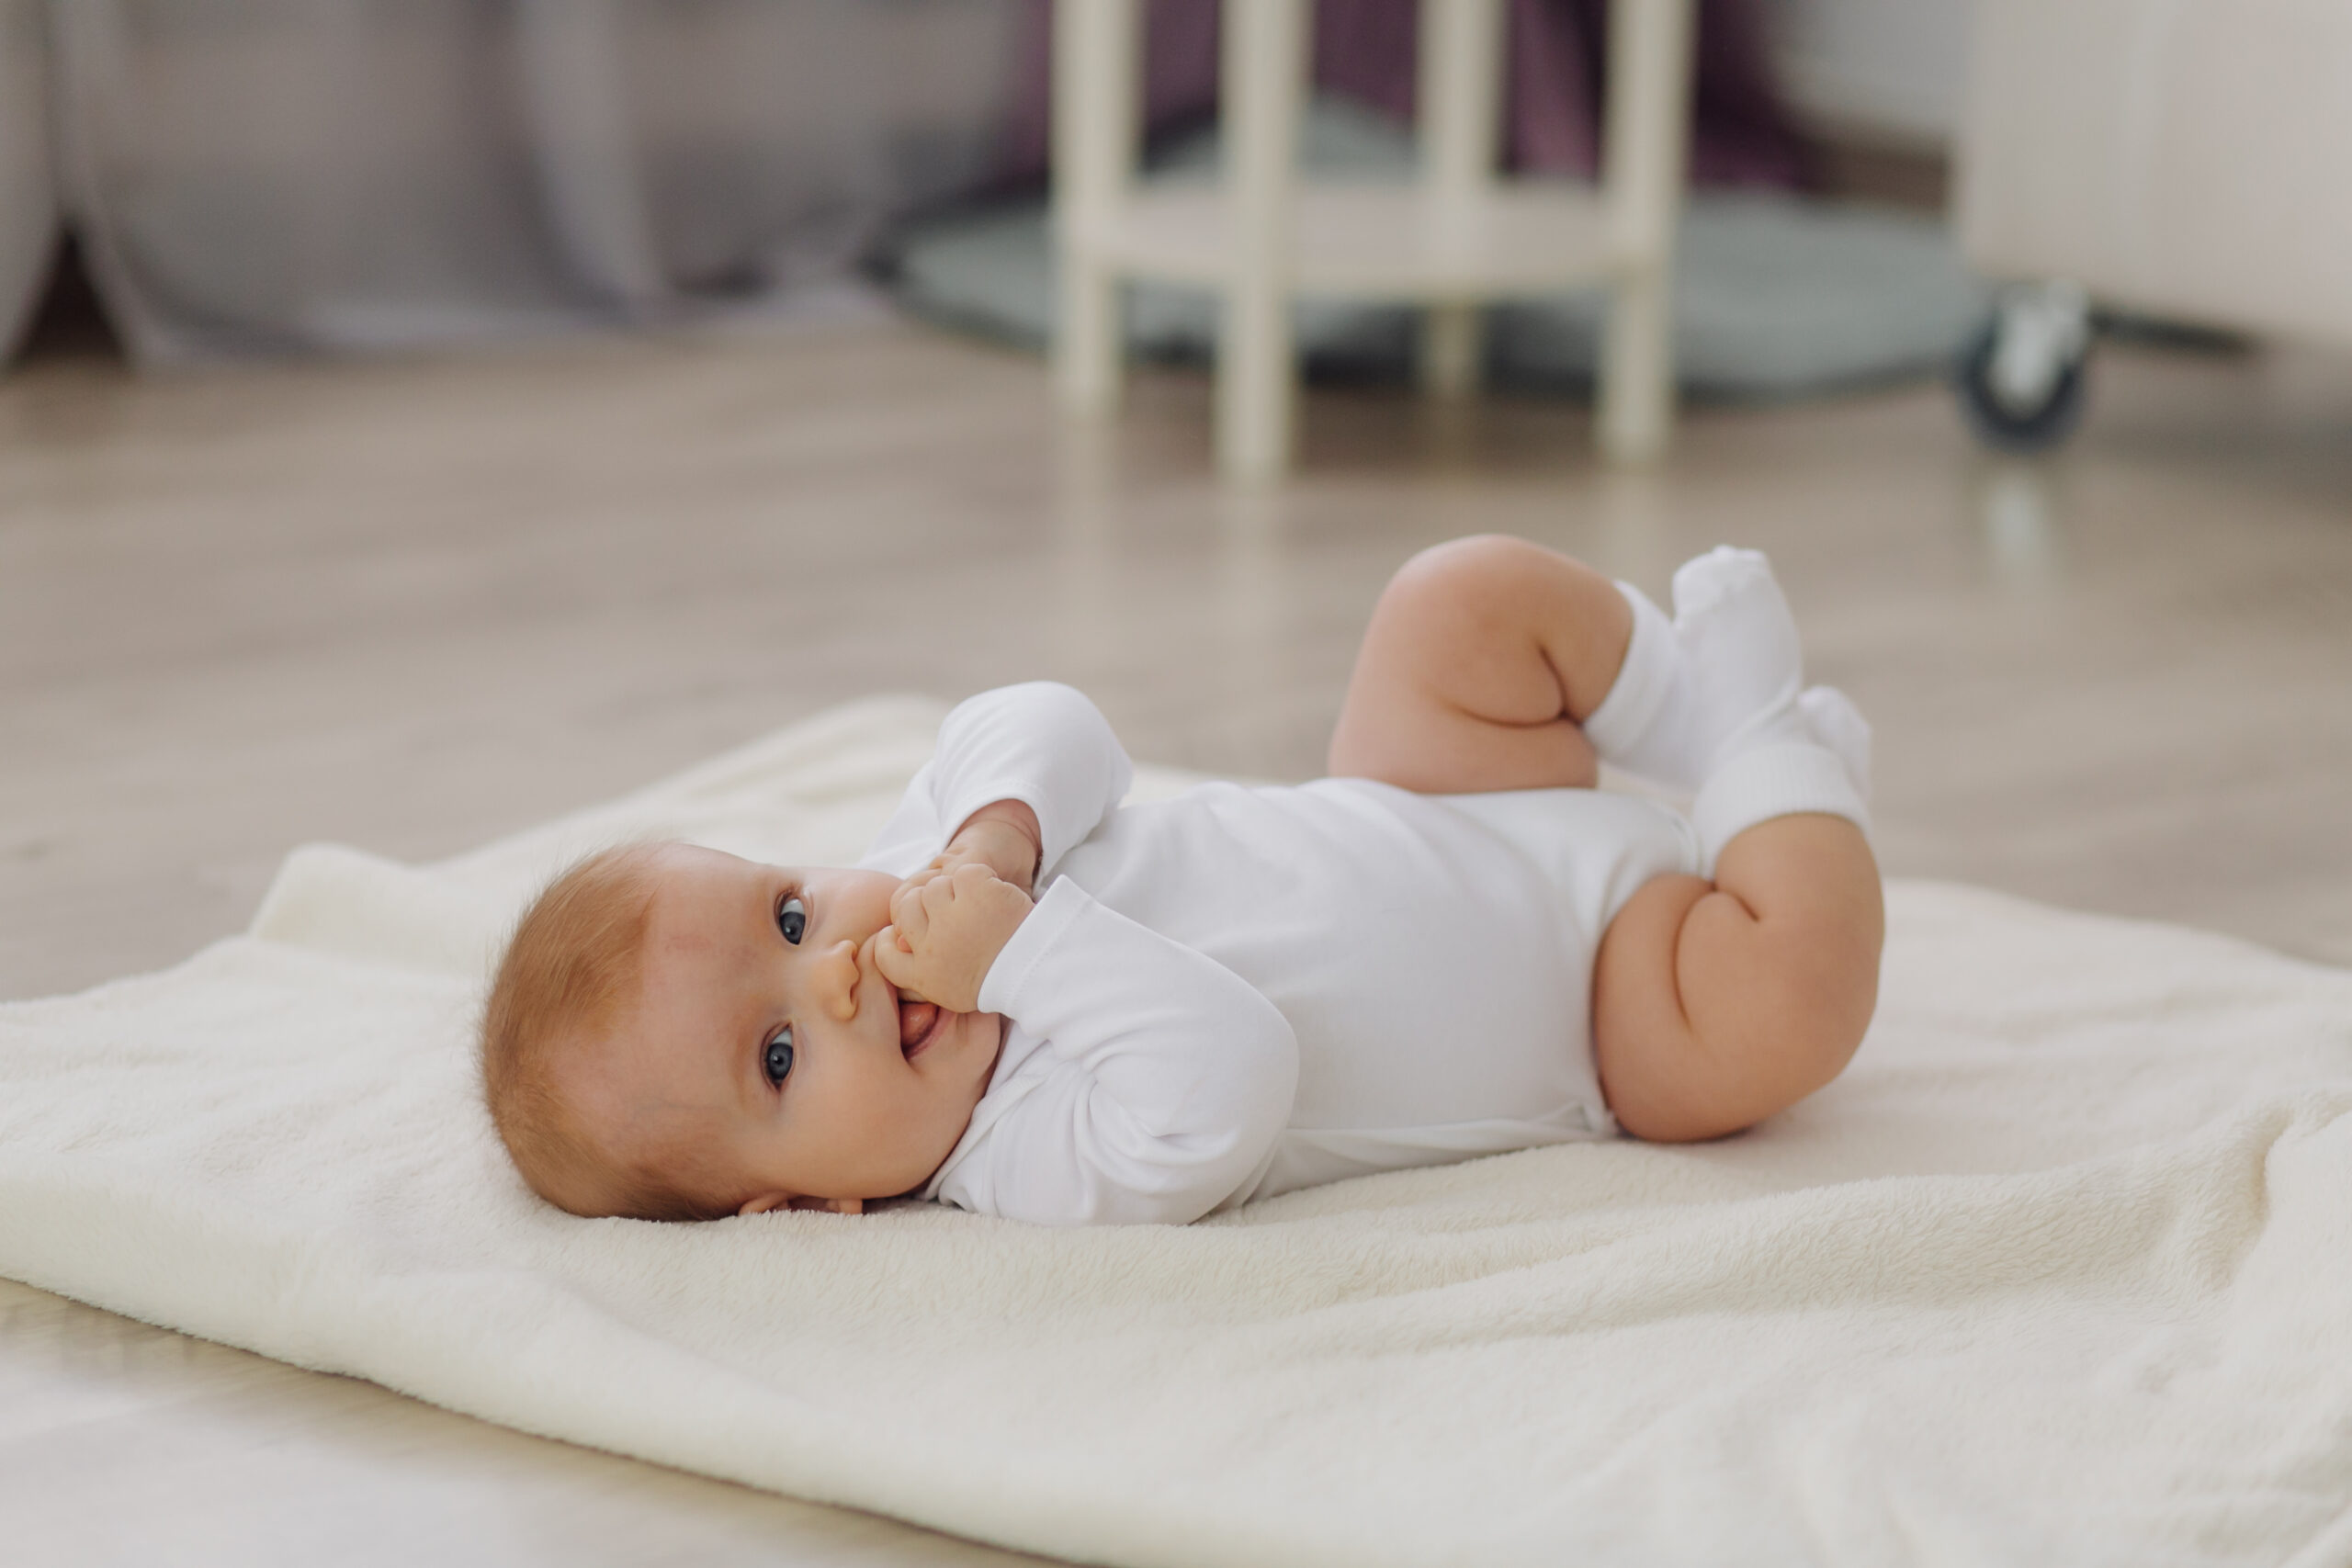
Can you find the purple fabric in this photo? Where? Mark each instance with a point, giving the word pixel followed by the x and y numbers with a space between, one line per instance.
pixel 1740 134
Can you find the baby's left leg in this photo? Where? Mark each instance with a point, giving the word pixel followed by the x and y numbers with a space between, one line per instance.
pixel 1718 1004
pixel 1483 659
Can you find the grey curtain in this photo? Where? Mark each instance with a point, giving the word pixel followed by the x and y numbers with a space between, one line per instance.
pixel 27 195
pixel 265 175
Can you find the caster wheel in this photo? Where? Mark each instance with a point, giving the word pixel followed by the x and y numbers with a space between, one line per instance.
pixel 2021 380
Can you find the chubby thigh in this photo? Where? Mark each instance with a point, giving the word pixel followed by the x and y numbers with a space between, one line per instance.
pixel 1718 1004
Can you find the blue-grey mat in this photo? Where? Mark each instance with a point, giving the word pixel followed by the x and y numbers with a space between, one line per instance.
pixel 1775 296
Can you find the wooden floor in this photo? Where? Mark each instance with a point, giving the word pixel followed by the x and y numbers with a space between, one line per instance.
pixel 415 605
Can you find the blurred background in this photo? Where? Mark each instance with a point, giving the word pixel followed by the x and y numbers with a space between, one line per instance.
pixel 244 177
pixel 423 417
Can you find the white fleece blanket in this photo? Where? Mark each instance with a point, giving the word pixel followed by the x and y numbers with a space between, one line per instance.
pixel 2061 1272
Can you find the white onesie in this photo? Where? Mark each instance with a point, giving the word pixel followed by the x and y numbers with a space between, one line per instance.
pixel 1243 990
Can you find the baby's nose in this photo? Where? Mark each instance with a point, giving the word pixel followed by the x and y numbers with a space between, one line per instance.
pixel 841 980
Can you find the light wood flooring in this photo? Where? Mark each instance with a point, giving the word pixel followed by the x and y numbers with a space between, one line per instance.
pixel 414 605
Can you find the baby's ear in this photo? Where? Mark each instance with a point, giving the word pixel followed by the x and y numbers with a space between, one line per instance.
pixel 831 1205
pixel 766 1201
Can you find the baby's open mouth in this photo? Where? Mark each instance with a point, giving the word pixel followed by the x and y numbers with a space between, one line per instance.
pixel 918 1021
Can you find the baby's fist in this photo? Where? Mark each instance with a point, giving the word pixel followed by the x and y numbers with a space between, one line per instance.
pixel 947 929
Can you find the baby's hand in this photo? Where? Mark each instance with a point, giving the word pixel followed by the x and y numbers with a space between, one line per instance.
pixel 947 928
pixel 1003 837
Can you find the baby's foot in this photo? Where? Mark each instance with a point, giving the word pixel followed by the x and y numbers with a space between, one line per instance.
pixel 1835 724
pixel 1739 645
pixel 1824 768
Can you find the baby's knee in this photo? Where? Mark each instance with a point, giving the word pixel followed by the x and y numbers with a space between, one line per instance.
pixel 1477 567
pixel 1489 589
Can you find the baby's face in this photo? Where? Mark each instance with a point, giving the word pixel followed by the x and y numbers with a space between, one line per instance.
pixel 764 1037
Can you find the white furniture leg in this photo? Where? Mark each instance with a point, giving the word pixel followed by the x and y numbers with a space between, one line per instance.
pixel 1097 61
pixel 1459 236
pixel 1643 155
pixel 1461 77
pixel 1264 72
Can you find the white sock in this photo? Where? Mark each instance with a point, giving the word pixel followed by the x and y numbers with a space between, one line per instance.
pixel 1745 663
pixel 1643 726
pixel 1827 771
pixel 1832 721
pixel 1780 780
pixel 1721 678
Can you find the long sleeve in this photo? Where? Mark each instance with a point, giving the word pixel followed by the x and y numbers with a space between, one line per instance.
pixel 1155 1087
pixel 1042 743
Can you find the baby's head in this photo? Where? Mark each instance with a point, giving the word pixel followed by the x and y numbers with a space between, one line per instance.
pixel 678 1034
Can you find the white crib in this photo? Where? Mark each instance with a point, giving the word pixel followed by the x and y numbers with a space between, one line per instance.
pixel 1455 238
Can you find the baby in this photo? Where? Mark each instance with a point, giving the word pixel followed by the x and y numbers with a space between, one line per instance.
pixel 1030 1000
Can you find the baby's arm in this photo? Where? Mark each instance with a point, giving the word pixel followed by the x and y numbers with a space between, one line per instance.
pixel 1160 1085
pixel 1002 836
pixel 1038 756
pixel 1171 1076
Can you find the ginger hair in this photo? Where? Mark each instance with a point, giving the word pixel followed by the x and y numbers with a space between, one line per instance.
pixel 571 972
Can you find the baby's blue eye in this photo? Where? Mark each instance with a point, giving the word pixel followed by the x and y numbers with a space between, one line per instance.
pixel 792 920
pixel 776 1061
